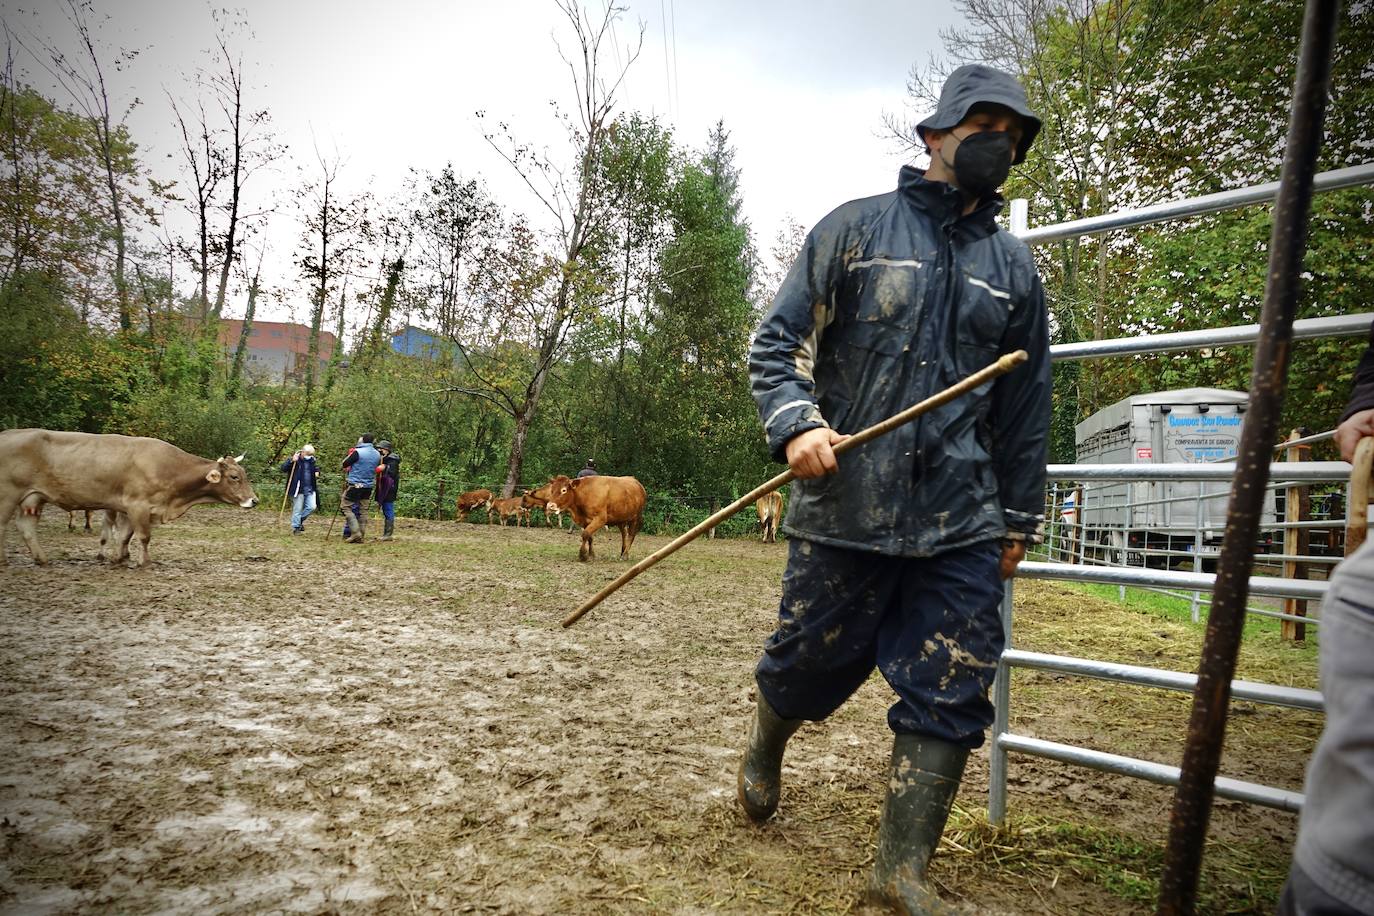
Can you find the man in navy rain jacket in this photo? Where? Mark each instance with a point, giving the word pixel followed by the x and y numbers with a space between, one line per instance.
pixel 302 486
pixel 898 554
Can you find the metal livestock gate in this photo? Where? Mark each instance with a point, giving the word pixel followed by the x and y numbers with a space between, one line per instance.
pixel 1004 742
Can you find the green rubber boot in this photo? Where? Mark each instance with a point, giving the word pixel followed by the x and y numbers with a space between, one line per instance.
pixel 760 773
pixel 923 780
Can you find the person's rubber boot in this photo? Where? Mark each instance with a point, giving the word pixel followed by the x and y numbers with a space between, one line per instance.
pixel 353 527
pixel 760 772
pixel 922 781
pixel 387 528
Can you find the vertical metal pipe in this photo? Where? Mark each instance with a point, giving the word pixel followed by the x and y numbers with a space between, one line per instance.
pixel 1001 722
pixel 1207 724
pixel 1197 545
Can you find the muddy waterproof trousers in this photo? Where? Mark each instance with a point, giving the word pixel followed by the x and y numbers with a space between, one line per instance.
pixel 931 625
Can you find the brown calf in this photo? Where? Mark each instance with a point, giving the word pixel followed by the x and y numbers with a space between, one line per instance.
pixel 472 499
pixel 510 508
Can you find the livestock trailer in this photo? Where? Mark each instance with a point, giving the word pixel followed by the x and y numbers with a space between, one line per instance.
pixel 1157 522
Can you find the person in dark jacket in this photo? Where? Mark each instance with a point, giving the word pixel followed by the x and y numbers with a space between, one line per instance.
pixel 1333 860
pixel 388 484
pixel 898 554
pixel 302 487
pixel 589 470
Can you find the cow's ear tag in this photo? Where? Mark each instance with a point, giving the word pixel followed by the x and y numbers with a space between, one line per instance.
pixel 213 476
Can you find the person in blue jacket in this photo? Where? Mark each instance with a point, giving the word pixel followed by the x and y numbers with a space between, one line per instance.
pixel 302 487
pixel 897 554
pixel 361 466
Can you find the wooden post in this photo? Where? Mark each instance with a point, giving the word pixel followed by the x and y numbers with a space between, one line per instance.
pixel 439 502
pixel 715 506
pixel 1297 507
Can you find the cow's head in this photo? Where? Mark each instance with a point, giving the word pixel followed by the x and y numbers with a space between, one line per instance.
pixel 560 490
pixel 531 501
pixel 229 483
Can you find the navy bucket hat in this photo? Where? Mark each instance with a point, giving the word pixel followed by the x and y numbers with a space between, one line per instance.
pixel 974 83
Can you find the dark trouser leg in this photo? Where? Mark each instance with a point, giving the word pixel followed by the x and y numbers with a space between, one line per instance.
pixel 389 516
pixel 938 650
pixel 832 604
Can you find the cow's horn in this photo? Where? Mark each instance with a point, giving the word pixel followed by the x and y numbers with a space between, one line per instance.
pixel 239 459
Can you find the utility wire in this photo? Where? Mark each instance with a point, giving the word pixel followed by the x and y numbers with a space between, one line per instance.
pixel 667 67
pixel 677 83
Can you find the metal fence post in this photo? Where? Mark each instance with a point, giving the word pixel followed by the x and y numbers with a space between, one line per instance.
pixel 1001 722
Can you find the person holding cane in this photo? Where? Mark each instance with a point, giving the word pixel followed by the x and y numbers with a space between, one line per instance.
pixel 302 486
pixel 898 553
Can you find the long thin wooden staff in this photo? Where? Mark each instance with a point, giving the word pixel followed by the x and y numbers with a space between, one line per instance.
pixel 1357 510
pixel 289 474
pixel 1004 364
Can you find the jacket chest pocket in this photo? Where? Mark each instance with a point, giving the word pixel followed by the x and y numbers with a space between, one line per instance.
pixel 888 290
pixel 984 311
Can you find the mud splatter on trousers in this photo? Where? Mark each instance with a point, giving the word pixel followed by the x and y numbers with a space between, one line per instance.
pixel 931 625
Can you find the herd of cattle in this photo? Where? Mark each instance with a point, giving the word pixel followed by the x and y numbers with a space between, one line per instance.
pixel 138 482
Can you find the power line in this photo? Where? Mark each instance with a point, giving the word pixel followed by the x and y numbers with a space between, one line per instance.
pixel 667 68
pixel 677 83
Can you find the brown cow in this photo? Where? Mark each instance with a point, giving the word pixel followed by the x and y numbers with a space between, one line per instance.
pixel 146 480
pixel 769 508
pixel 510 508
pixel 599 501
pixel 529 502
pixel 472 499
pixel 71 521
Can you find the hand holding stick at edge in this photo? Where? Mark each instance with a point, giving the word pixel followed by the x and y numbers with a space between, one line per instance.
pixel 1004 364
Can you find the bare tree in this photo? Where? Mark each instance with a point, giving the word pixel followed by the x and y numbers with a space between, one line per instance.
pixel 334 228
pixel 451 217
pixel 575 199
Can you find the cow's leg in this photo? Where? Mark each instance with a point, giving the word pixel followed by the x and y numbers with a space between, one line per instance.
pixel 586 552
pixel 7 510
pixel 635 527
pixel 87 529
pixel 141 528
pixel 30 508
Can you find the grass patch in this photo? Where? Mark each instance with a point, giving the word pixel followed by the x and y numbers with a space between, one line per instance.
pixel 1236 877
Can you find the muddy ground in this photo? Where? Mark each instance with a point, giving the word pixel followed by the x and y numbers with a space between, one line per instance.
pixel 267 723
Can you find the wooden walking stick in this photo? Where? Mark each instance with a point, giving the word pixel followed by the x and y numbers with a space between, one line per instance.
pixel 1003 365
pixel 1357 507
pixel 289 474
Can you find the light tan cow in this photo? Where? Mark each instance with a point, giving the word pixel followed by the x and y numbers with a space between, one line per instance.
pixel 148 481
pixel 769 508
pixel 599 501
pixel 510 508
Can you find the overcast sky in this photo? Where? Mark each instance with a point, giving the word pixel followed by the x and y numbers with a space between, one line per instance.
pixel 802 86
